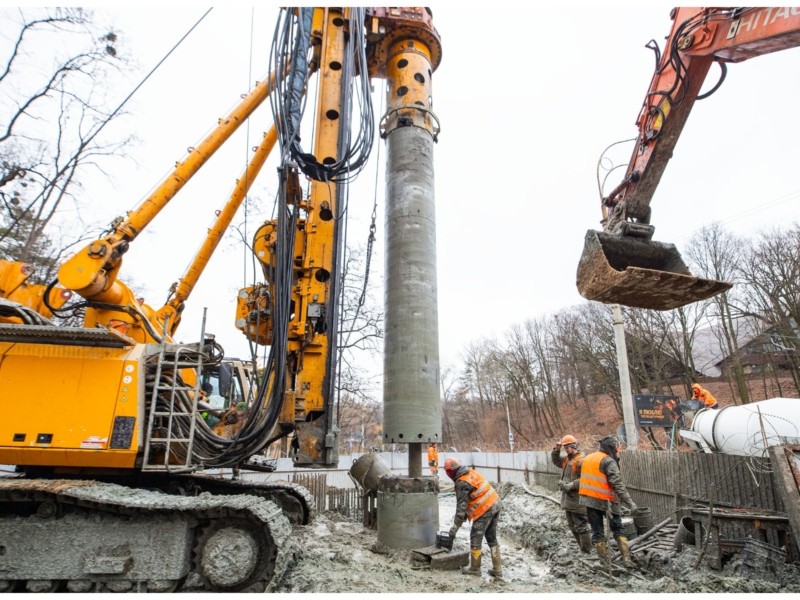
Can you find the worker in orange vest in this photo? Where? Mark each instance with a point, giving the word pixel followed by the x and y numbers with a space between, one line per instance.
pixel 698 393
pixel 600 482
pixel 433 458
pixel 476 501
pixel 569 483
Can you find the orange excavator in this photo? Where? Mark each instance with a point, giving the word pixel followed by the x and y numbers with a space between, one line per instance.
pixel 622 264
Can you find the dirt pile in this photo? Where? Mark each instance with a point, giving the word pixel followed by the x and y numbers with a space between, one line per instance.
pixel 336 554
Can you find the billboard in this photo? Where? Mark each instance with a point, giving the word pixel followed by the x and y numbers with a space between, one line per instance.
pixel 657 411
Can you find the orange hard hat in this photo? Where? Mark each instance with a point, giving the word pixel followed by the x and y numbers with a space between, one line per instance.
pixel 568 439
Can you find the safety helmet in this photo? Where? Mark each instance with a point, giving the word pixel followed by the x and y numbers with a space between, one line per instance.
pixel 569 440
pixel 451 465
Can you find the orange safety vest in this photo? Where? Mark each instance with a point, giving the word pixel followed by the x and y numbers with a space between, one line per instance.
pixel 433 456
pixel 482 498
pixel 593 480
pixel 571 462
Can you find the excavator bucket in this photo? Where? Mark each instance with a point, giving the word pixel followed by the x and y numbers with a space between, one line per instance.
pixel 637 272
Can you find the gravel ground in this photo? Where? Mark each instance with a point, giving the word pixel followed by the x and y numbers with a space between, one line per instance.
pixel 335 554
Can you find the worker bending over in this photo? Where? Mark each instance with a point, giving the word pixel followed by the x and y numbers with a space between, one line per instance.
pixel 699 393
pixel 600 481
pixel 569 483
pixel 476 501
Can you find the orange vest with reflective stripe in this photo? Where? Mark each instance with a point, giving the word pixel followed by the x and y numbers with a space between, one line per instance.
pixel 593 480
pixel 482 498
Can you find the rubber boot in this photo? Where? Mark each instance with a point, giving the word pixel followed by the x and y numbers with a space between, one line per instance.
pixel 585 541
pixel 577 537
pixel 602 552
pixel 474 567
pixel 497 562
pixel 625 551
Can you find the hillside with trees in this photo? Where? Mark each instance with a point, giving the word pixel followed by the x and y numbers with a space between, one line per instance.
pixel 558 373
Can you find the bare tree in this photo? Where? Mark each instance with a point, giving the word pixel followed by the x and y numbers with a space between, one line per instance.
pixel 359 423
pixel 771 274
pixel 715 253
pixel 475 401
pixel 594 346
pixel 680 327
pixel 56 67
pixel 575 372
pixel 658 351
pixel 361 331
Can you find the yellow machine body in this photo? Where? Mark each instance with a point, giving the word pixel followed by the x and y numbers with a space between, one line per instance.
pixel 71 405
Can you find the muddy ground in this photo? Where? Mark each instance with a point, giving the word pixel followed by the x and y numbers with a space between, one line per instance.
pixel 337 554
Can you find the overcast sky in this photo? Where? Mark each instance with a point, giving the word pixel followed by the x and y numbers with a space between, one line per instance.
pixel 528 98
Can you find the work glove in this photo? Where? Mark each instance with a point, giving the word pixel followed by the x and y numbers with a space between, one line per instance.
pixel 453 531
pixel 561 485
pixel 632 507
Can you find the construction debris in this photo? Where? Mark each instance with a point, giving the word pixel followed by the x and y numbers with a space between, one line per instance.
pixel 539 555
pixel 440 558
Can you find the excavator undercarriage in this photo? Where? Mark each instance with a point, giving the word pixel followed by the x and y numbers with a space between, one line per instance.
pixel 89 513
pixel 91 535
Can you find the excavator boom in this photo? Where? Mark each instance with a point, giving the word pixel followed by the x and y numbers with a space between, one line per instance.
pixel 623 265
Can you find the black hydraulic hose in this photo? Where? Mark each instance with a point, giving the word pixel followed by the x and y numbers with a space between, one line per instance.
pixel 723 73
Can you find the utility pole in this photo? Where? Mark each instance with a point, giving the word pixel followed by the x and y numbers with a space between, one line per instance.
pixel 631 433
pixel 510 434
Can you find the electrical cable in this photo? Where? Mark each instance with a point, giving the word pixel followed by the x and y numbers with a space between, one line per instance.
pixel 28 316
pixel 85 142
pixel 291 44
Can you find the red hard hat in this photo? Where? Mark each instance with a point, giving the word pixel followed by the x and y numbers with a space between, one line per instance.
pixel 568 439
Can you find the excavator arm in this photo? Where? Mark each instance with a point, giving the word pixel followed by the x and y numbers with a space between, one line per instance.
pixel 622 265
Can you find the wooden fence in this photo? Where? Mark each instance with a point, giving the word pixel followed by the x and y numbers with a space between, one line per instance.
pixel 343 500
pixel 741 491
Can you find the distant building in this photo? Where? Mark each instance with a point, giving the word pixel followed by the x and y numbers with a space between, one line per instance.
pixel 758 346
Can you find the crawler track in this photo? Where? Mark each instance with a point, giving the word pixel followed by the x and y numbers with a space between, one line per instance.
pixel 295 501
pixel 86 535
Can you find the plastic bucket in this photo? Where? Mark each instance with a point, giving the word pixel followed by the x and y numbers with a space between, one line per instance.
pixel 643 519
pixel 684 534
pixel 368 469
pixel 758 556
